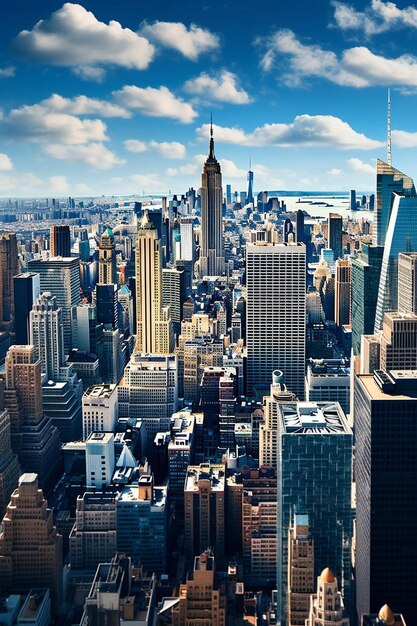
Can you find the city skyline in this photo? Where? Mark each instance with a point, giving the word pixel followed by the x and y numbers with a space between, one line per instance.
pixel 104 100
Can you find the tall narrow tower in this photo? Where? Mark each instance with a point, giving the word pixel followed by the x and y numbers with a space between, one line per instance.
pixel 107 273
pixel 249 197
pixel 212 256
pixel 153 333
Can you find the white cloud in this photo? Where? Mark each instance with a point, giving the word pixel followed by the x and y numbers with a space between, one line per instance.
pixel 82 189
pixel 359 166
pixel 154 102
pixel 135 145
pixel 334 172
pixel 147 182
pixel 167 149
pixel 356 67
pixel 74 37
pixel 6 164
pixel 223 88
pixel 83 105
pixel 378 17
pixel 191 168
pixel 95 155
pixel 7 72
pixel 25 183
pixel 59 185
pixel 304 131
pixel 89 73
pixel 404 139
pixel 191 42
pixel 37 123
pixel 230 169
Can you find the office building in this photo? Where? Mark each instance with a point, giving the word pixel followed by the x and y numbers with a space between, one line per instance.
pixel 106 301
pixel 36 609
pixel 142 523
pixel 211 254
pixel 174 295
pixel 228 194
pixel 388 180
pixel 311 436
pixel 180 454
pixel 27 288
pixel 204 509
pixel 401 236
pixel 99 460
pixel 407 282
pixel 328 380
pixel 60 240
pixel 153 323
pixel 93 538
pixel 384 617
pixel 366 271
pixel 326 605
pixel 398 341
pixel 30 547
pixel 99 409
pixel 112 357
pixel 199 353
pixel 342 291
pixel 299 226
pixel 275 314
pixel 9 267
pixel 9 463
pixel 334 237
pixel 61 276
pixel 300 570
pixel 249 196
pixel 187 238
pixel 353 201
pixel 385 406
pixel 107 272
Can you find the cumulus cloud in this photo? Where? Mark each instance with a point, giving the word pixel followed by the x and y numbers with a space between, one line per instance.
pixel 160 102
pixel 304 131
pixel 404 139
pixel 95 155
pixel 231 170
pixel 191 168
pixel 378 17
pixel 167 149
pixel 59 185
pixel 7 72
pixel 39 124
pixel 83 105
pixel 5 163
pixel 334 172
pixel 74 37
pixel 24 183
pixel 223 88
pixel 191 42
pixel 355 67
pixel 148 182
pixel 359 166
pixel 91 73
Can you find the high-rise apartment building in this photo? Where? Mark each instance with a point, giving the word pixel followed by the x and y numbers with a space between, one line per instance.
pixel 9 267
pixel 30 547
pixel 385 408
pixel 61 276
pixel 401 236
pixel 275 314
pixel 366 271
pixel 27 288
pixel 60 240
pixel 342 291
pixel 326 605
pixel 310 437
pixel 335 240
pixel 107 272
pixel 211 254
pixel 300 570
pixel 153 322
pixel 204 509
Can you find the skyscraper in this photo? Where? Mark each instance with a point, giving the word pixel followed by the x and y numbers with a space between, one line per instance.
pixel 385 408
pixel 107 273
pixel 275 314
pixel 401 236
pixel 211 254
pixel 154 332
pixel 249 197
pixel 60 244
pixel 61 276
pixel 27 288
pixel 9 463
pixel 311 436
pixel 335 241
pixel 299 226
pixel 366 270
pixel 9 267
pixel 326 605
pixel 407 282
pixel 30 547
pixel 342 290
pixel 300 570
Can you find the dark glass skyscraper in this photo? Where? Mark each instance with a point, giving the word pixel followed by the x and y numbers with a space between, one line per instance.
pixel 366 270
pixel 27 288
pixel 335 223
pixel 249 197
pixel 60 240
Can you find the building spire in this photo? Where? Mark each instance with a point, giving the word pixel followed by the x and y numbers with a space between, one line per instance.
pixel 211 151
pixel 389 153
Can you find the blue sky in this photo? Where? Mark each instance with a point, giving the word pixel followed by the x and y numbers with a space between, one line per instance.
pixel 115 97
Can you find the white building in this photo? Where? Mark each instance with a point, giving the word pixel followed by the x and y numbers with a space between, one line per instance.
pixel 100 411
pixel 276 314
pixel 328 380
pixel 99 459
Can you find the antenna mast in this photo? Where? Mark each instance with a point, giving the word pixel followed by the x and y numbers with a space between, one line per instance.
pixel 389 153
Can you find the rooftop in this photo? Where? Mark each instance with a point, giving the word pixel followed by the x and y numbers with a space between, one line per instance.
pixel 205 471
pixel 99 391
pixel 313 418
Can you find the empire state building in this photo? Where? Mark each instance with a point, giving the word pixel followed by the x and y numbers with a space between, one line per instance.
pixel 211 256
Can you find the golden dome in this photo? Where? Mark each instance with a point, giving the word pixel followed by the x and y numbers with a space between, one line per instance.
pixel 387 615
pixel 327 576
